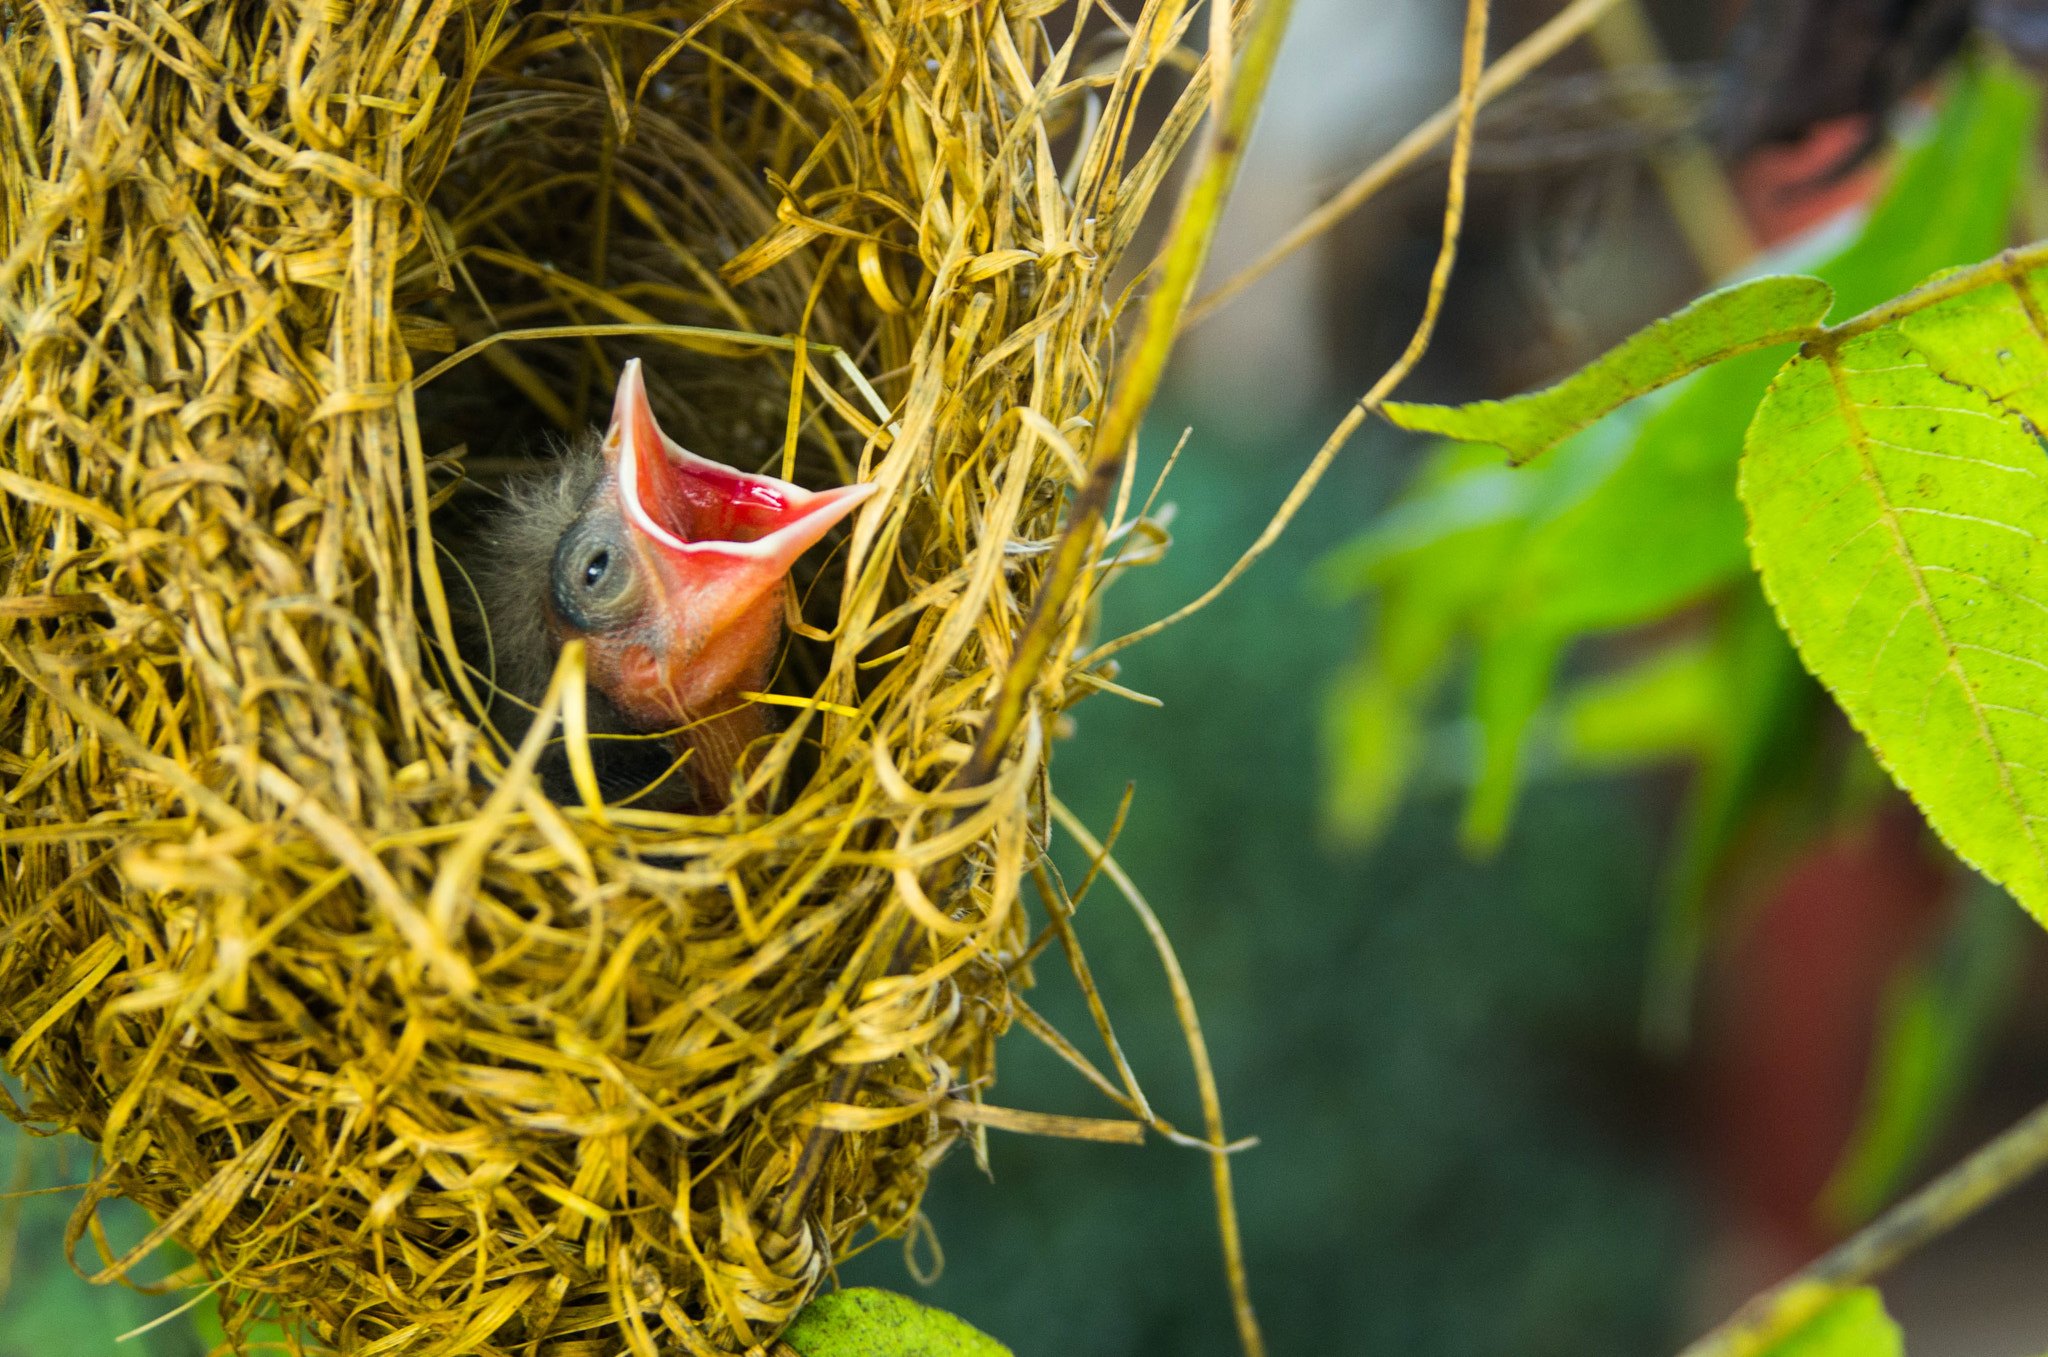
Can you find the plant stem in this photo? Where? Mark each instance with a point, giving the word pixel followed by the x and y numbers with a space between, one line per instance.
pixel 1986 1175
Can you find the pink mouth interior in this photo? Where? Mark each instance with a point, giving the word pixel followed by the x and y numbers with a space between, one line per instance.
pixel 692 498
pixel 700 503
pixel 691 504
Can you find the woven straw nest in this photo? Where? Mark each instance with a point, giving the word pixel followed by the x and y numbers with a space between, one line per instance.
pixel 380 1033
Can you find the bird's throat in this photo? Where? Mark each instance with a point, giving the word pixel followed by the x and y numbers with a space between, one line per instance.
pixel 716 747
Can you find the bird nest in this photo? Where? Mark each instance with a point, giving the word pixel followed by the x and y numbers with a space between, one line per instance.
pixel 382 1034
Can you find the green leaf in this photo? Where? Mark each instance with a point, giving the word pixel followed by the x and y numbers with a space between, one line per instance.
pixel 1513 676
pixel 1665 706
pixel 1757 314
pixel 1900 520
pixel 1822 1322
pixel 865 1322
pixel 1637 517
pixel 1949 205
pixel 1665 528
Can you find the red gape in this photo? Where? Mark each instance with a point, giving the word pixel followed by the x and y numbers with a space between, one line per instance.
pixel 715 545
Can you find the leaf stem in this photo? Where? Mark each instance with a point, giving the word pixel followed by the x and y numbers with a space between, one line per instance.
pixel 2007 264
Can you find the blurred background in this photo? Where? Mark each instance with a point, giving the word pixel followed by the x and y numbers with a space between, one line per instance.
pixel 1576 972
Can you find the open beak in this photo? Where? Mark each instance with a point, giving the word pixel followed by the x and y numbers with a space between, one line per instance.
pixel 719 541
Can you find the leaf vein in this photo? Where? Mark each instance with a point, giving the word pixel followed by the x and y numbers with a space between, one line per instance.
pixel 1984 462
pixel 1990 584
pixel 2002 654
pixel 1890 515
pixel 1967 518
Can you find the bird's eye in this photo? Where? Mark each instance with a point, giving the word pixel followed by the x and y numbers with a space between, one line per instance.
pixel 593 580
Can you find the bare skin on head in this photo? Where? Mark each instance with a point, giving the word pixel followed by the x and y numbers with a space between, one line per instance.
pixel 670 568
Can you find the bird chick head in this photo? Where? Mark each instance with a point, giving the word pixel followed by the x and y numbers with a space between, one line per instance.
pixel 673 571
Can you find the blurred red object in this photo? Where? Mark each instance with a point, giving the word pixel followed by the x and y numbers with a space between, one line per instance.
pixel 1790 187
pixel 1794 1015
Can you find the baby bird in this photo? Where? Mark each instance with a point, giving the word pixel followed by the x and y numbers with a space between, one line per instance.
pixel 671 569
